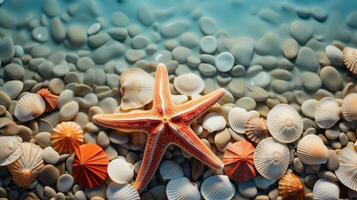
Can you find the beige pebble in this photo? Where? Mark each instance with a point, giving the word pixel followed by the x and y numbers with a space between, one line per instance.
pixel 50 156
pixel 69 110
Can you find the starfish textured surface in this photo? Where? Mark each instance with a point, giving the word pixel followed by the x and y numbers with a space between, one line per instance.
pixel 166 123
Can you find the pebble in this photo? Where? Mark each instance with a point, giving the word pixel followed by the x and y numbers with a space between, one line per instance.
pixel 207 26
pixel 207 69
pixel 119 34
pixel 243 51
pixel 61 70
pixel 189 40
pixel 50 155
pixel 224 61
pixel 40 34
pixel 13 88
pixel 281 86
pixel 14 71
pixel 69 110
pixel 269 15
pixel 98 40
pixel 181 54
pixel 43 139
pixel 332 133
pixel 56 86
pixel 140 42
pixel 298 166
pixel 145 15
pixel 107 52
pixel 306 59
pixel 237 70
pixel 300 31
pixel 174 28
pixel 311 81
pixel 274 194
pixel 76 36
pixel 7 20
pixel 133 30
pixel 237 87
pixel 351 19
pixel 308 108
pixel 49 192
pixel 84 63
pixel 268 44
pixel 208 44
pixel 133 55
pixel 48 175
pixel 332 162
pixel 3 193
pixel 222 138
pixel 248 189
pixel 263 183
pixel 319 14
pixel 51 8
pixel 290 48
pixel 343 139
pixel 57 30
pixel 247 103
pixel 65 182
pixel 5 100
pixel 335 55
pixel 118 18
pixel 103 140
pixel 331 78
pixel 207 58
pixel 94 28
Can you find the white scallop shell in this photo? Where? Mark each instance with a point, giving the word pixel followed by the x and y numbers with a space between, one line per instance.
pixel 10 149
pixel 347 172
pixel 349 108
pixel 271 158
pixel 137 88
pixel 350 59
pixel 120 171
pixel 324 189
pixel 29 107
pixel 183 189
pixel 312 151
pixel 284 123
pixel 214 122
pixel 217 187
pixel 170 170
pixel 189 84
pixel 327 113
pixel 121 191
pixel 237 118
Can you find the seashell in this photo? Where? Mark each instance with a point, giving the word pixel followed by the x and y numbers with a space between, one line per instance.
pixel 312 151
pixel 189 84
pixel 346 173
pixel 271 159
pixel 324 189
pixel 217 187
pixel 256 129
pixel 10 149
pixel 327 113
pixel 24 171
pixel 238 161
pixel 349 108
pixel 122 176
pixel 291 188
pixel 170 170
pixel 136 88
pixel 29 107
pixel 214 122
pixel 284 123
pixel 121 191
pixel 49 98
pixel 350 59
pixel 90 165
pixel 237 118
pixel 66 137
pixel 182 188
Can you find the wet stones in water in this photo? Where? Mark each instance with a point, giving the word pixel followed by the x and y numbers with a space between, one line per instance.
pixel 94 28
pixel 6 20
pixel 107 52
pixel 351 19
pixel 118 34
pixel 181 54
pixel 145 15
pixel 57 30
pixel 319 14
pixel 85 63
pixel 76 36
pixel 189 40
pixel 40 34
pixel 51 8
pixel 140 42
pixel 243 51
pixel 331 78
pixel 311 81
pixel 207 26
pixel 69 110
pixel 133 55
pixel 94 76
pixel 269 44
pixel 290 48
pixel 174 28
pixel 13 88
pixel 7 49
pixel 306 59
pixel 335 55
pixel 49 175
pixel 224 61
pixel 208 44
pixel 98 40
pixel 14 71
pixel 207 69
pixel 119 19
pixel 300 31
pixel 61 69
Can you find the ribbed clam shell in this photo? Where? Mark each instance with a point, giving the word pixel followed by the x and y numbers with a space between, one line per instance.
pixel 217 187
pixel 189 84
pixel 10 149
pixel 312 151
pixel 291 188
pixel 271 159
pixel 24 171
pixel 29 107
pixel 327 113
pixel 117 191
pixel 350 59
pixel 324 189
pixel 347 172
pixel 349 108
pixel 237 118
pixel 66 137
pixel 214 122
pixel 256 129
pixel 170 170
pixel 120 171
pixel 182 189
pixel 284 123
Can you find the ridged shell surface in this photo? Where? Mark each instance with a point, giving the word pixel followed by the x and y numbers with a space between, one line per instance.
pixel 66 137
pixel 324 189
pixel 347 172
pixel 117 191
pixel 312 151
pixel 237 118
pixel 349 108
pixel 217 187
pixel 29 107
pixel 291 188
pixel 327 113
pixel 256 129
pixel 189 84
pixel 10 149
pixel 350 59
pixel 182 189
pixel 120 171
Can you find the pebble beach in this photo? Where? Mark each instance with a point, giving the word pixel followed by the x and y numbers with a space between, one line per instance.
pixel 279 116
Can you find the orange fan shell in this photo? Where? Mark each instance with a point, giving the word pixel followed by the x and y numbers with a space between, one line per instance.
pixel 291 188
pixel 238 161
pixel 256 129
pixel 66 137
pixel 90 165
pixel 49 98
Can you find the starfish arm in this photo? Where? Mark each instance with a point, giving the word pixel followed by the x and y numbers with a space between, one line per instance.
pixel 190 110
pixel 162 102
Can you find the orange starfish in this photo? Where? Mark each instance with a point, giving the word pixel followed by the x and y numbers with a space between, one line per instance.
pixel 165 124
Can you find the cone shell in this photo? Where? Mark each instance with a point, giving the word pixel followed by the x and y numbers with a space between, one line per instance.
pixel 238 161
pixel 90 165
pixel 29 107
pixel 284 123
pixel 189 84
pixel 271 159
pixel 137 88
pixel 237 118
pixel 350 59
pixel 121 191
pixel 10 149
pixel 122 176
pixel 327 113
pixel 66 137
pixel 347 172
pixel 312 151
pixel 49 98
pixel 217 187
pixel 291 188
pixel 256 129
pixel 349 108
pixel 182 188
pixel 24 171
pixel 324 189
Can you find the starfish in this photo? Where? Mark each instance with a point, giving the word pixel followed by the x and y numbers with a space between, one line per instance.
pixel 165 124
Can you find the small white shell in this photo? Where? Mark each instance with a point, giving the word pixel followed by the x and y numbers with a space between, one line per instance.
pixel 284 123
pixel 349 108
pixel 347 172
pixel 325 189
pixel 237 118
pixel 170 170
pixel 120 171
pixel 121 191
pixel 350 59
pixel 189 84
pixel 217 187
pixel 10 149
pixel 182 188
pixel 271 158
pixel 312 151
pixel 308 108
pixel 29 107
pixel 327 113
pixel 214 122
